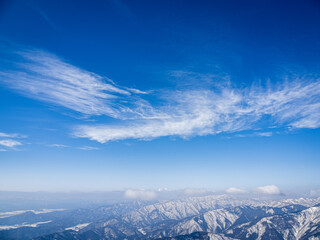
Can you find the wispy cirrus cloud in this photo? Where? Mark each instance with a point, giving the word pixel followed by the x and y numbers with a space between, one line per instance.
pixel 186 113
pixel 255 134
pixel 293 102
pixel 46 77
pixel 58 145
pixel 88 148
pixel 264 134
pixel 12 135
pixel 226 109
pixel 10 143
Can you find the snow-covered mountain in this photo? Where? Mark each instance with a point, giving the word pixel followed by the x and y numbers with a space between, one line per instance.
pixel 299 225
pixel 208 217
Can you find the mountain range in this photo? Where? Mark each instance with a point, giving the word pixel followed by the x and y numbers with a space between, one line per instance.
pixel 206 217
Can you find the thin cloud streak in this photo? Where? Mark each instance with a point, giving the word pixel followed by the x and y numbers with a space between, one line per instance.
pixel 255 134
pixel 12 135
pixel 10 143
pixel 88 148
pixel 58 145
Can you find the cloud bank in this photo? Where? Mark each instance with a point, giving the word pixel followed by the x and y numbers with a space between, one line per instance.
pixel 221 108
pixel 140 194
pixel 233 190
pixel 269 189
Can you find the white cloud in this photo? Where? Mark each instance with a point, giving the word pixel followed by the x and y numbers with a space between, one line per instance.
pixel 58 145
pixel 255 134
pixel 6 135
pixel 46 77
pixel 140 194
pixel 269 189
pixel 233 190
pixel 204 112
pixel 186 112
pixel 191 113
pixel 10 143
pixel 12 135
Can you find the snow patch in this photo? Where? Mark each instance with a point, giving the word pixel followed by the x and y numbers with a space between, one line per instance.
pixel 78 227
pixel 3 227
pixel 142 231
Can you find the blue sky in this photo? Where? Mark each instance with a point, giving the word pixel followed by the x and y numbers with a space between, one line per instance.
pixel 112 95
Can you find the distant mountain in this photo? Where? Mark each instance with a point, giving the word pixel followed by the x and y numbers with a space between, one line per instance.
pixel 218 221
pixel 218 217
pixel 198 236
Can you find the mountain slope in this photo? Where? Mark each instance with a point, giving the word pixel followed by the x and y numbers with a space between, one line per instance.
pixel 211 217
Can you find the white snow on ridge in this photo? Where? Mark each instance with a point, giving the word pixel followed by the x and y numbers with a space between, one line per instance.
pixel 142 231
pixel 3 227
pixel 307 202
pixel 77 227
pixel 213 236
pixel 13 213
